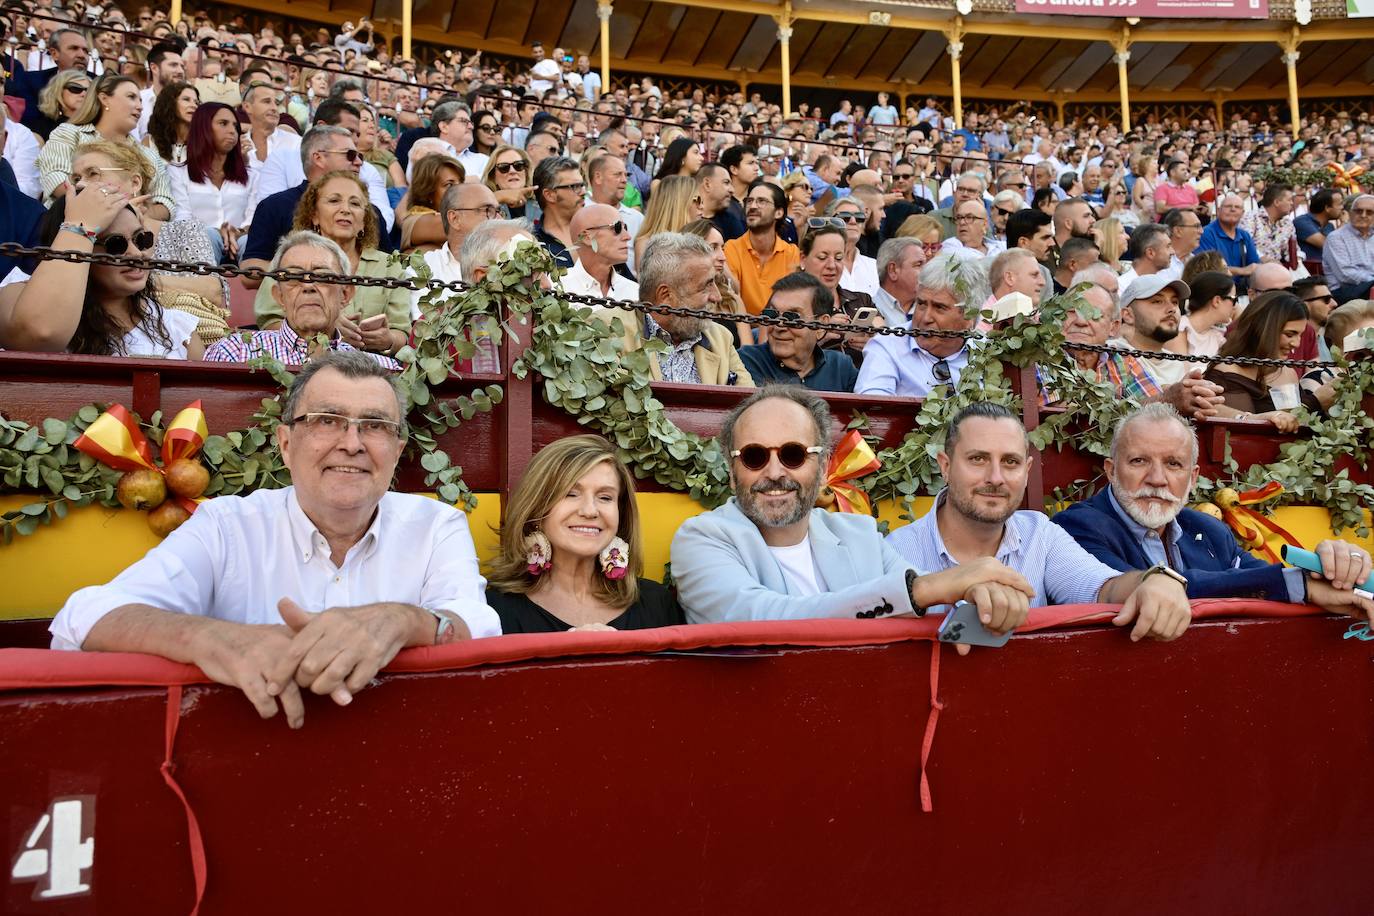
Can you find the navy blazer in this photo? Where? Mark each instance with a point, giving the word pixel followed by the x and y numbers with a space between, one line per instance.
pixel 1214 563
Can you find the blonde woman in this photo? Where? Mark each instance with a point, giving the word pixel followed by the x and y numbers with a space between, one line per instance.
pixel 926 229
pixel 510 177
pixel 673 205
pixel 370 145
pixel 1112 239
pixel 1146 168
pixel 61 99
pixel 571 554
pixel 110 112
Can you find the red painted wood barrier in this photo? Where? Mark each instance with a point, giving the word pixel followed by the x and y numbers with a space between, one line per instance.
pixel 1072 772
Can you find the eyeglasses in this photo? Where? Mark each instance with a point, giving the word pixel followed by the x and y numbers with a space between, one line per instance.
pixel 1004 211
pixel 941 371
pixel 76 90
pixel 1326 298
pixel 487 210
pixel 351 155
pixel 616 227
pixel 850 217
pixel 930 248
pixel 970 218
pixel 505 168
pixel 117 244
pixel 1018 184
pixel 1362 211
pixel 578 187
pixel 820 222
pixel 789 314
pixel 792 455
pixel 488 127
pixel 333 426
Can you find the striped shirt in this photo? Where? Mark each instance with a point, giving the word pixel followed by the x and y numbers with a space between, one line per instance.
pixel 1060 571
pixel 284 345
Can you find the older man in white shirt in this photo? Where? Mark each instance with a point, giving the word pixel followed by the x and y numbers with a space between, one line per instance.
pixel 21 152
pixel 464 207
pixel 317 585
pixel 603 244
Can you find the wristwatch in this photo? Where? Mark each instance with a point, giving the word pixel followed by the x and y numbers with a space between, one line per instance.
pixel 911 577
pixel 1161 569
pixel 444 633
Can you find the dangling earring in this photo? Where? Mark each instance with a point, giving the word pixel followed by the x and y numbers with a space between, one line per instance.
pixel 615 559
pixel 538 553
pixel 361 233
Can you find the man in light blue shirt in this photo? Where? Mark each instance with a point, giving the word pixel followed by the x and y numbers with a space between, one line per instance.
pixel 948 292
pixel 985 462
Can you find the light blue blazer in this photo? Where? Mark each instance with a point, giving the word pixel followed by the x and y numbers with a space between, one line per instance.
pixel 725 572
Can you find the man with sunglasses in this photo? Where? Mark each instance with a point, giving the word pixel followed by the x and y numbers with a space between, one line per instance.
pixel 794 354
pixel 770 554
pixel 1348 255
pixel 602 243
pixel 315 586
pixel 1316 295
pixel 560 192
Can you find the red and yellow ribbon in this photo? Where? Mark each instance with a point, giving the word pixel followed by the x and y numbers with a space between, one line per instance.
pixel 1248 525
pixel 114 439
pixel 852 458
pixel 1345 178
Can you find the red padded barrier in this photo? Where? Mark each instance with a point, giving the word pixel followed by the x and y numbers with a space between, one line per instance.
pixel 24 669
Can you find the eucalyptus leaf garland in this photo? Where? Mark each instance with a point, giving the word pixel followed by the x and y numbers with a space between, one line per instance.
pixel 577 354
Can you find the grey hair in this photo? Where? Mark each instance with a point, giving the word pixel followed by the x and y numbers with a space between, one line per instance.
pixel 977 176
pixel 313 240
pixel 892 251
pixel 1350 204
pixel 663 261
pixel 316 139
pixel 966 281
pixel 1155 412
pixel 485 242
pixel 447 111
pixel 354 364
pixel 813 403
pixel 1009 197
pixel 337 90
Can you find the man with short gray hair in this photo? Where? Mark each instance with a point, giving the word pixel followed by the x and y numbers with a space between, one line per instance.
pixel 1141 521
pixel 1348 253
pixel 679 272
pixel 453 124
pixel 899 268
pixel 315 586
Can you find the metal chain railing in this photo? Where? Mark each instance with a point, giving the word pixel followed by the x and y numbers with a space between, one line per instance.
pixel 283 275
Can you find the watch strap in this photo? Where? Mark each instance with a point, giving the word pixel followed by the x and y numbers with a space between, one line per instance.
pixel 1159 569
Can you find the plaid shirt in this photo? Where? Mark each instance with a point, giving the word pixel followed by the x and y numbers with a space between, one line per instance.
pixel 283 345
pixel 1128 375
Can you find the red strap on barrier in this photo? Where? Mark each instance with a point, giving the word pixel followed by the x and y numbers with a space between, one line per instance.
pixel 936 704
pixel 168 768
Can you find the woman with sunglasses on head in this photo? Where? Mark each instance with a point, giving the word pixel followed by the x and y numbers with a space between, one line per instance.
pixel 418 214
pixel 123 169
pixel 377 319
pixel 672 206
pixel 111 112
pixel 212 187
pixel 860 271
pixel 571 554
pixel 509 176
pixel 60 100
pixel 370 145
pixel 97 310
pixel 170 123
pixel 822 256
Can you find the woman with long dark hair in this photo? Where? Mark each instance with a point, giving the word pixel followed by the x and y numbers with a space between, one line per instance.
pixel 1270 328
pixel 822 256
pixel 97 310
pixel 170 123
pixel 682 157
pixel 213 186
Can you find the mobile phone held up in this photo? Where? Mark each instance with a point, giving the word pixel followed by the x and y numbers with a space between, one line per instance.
pixel 963 626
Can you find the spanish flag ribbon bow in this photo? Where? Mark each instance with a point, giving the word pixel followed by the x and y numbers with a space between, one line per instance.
pixel 1248 525
pixel 114 439
pixel 852 458
pixel 1345 178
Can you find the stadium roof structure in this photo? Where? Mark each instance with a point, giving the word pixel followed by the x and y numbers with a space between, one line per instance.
pixel 905 47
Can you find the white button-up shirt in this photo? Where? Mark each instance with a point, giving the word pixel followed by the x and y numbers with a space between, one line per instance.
pixel 284 169
pixel 238 555
pixel 213 206
pixel 443 266
pixel 581 283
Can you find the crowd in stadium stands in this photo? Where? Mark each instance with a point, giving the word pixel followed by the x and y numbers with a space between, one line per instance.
pixel 208 141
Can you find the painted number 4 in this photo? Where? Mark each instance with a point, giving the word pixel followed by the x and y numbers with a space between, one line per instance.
pixel 55 850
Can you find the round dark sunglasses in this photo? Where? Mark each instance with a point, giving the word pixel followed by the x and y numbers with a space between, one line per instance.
pixel 505 168
pixel 792 455
pixel 117 244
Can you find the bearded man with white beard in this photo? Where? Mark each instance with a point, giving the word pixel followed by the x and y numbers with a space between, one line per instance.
pixel 1140 521
pixel 770 554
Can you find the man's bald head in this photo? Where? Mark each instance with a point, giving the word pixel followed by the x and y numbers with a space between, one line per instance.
pixel 1270 275
pixel 591 215
pixel 865 176
pixel 464 206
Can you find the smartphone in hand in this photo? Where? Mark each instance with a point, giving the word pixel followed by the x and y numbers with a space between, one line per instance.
pixel 962 625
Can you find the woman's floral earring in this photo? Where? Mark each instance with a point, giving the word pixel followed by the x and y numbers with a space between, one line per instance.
pixel 615 559
pixel 538 553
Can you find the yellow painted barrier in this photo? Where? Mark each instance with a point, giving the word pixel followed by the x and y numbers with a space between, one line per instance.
pixel 93 544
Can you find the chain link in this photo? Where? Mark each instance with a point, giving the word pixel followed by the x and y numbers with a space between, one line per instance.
pixel 200 269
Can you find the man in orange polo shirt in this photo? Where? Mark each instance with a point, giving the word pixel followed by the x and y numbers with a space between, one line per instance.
pixel 759 258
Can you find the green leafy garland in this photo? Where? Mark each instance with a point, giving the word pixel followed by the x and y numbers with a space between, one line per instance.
pixel 1296 176
pixel 578 355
